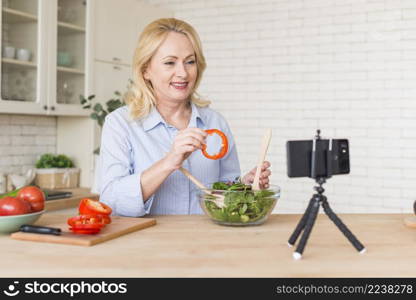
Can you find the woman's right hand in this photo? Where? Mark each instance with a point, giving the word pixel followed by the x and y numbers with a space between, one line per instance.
pixel 186 141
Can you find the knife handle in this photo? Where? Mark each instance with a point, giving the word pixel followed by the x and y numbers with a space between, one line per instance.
pixel 40 229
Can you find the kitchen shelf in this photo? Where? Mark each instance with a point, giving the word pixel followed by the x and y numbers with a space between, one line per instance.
pixel 18 16
pixel 68 28
pixel 70 70
pixel 19 62
pixel 71 202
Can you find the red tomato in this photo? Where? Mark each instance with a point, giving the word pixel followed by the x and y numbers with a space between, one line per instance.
pixel 91 207
pixel 34 196
pixel 13 206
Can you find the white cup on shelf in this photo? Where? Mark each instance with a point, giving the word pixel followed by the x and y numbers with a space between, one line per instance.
pixel 9 52
pixel 23 54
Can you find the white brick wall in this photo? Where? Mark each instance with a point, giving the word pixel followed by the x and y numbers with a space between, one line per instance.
pixel 345 66
pixel 23 139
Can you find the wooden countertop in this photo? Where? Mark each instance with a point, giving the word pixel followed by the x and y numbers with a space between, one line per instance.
pixel 77 195
pixel 193 246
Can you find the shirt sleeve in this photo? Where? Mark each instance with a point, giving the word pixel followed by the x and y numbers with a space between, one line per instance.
pixel 119 185
pixel 229 164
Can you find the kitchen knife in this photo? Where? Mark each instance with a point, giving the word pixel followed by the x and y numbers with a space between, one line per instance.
pixel 40 229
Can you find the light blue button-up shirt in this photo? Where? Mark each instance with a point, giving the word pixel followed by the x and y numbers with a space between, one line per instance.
pixel 129 147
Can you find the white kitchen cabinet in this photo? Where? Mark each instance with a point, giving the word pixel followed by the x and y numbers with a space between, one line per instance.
pixel 120 23
pixel 57 35
pixel 113 77
pixel 71 55
pixel 23 63
pixel 116 20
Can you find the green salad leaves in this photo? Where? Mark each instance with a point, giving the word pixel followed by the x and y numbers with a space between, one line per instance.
pixel 244 206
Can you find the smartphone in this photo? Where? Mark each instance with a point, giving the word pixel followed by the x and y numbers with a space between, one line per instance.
pixel 299 158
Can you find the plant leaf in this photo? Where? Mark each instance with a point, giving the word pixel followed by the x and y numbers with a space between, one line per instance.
pixel 98 107
pixel 54 161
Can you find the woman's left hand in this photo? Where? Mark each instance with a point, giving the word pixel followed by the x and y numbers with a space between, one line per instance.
pixel 264 175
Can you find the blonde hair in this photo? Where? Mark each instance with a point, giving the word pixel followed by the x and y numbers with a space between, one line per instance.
pixel 140 98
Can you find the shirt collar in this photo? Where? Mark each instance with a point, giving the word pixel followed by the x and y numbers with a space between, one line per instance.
pixel 193 122
pixel 154 118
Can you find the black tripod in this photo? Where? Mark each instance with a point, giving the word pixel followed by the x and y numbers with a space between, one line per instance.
pixel 309 217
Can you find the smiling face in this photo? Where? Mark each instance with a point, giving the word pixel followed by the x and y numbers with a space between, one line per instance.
pixel 172 69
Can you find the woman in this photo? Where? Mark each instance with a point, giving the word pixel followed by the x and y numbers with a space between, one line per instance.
pixel 162 129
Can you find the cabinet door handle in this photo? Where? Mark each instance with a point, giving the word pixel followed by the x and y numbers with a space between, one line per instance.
pixel 45 107
pixel 52 107
pixel 116 59
pixel 116 68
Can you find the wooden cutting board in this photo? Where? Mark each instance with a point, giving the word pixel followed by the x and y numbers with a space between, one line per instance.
pixel 410 222
pixel 118 227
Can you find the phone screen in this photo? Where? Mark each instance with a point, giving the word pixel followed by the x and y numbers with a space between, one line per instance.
pixel 299 157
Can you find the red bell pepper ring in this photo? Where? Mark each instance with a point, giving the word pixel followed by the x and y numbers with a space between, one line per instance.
pixel 224 146
pixel 106 219
pixel 84 231
pixel 86 221
pixel 91 207
pixel 86 224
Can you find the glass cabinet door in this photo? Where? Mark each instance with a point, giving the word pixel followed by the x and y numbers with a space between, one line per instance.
pixel 71 43
pixel 20 54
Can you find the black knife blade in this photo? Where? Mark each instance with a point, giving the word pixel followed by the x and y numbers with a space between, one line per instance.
pixel 40 229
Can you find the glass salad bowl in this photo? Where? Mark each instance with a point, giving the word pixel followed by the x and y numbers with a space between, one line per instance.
pixel 236 204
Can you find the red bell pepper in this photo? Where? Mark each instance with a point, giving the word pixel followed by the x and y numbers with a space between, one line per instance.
pixel 84 231
pixel 224 146
pixel 86 224
pixel 91 207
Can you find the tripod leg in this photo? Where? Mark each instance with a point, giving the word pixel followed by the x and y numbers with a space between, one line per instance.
pixel 301 225
pixel 308 228
pixel 344 229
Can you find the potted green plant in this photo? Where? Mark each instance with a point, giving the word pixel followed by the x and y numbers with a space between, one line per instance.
pixel 56 171
pixel 98 111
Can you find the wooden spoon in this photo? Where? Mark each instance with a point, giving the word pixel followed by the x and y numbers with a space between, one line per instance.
pixel 219 199
pixel 263 150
